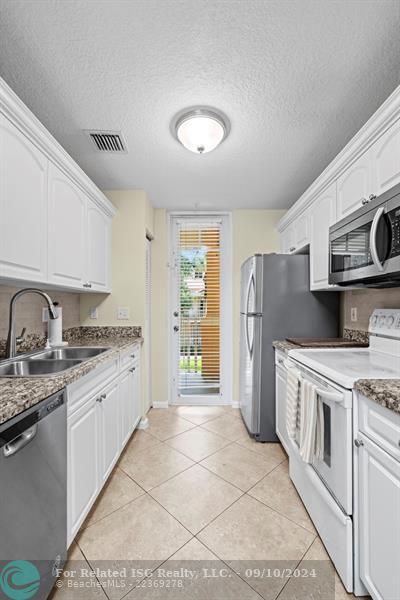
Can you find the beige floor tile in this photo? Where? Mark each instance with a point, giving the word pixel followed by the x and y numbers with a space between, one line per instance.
pixel 278 492
pixel 76 564
pixel 140 440
pixel 198 443
pixel 195 497
pixel 228 426
pixel 164 424
pixel 250 531
pixel 152 467
pixel 119 490
pixel 272 450
pixel 199 414
pixel 239 466
pixel 141 535
pixel 196 558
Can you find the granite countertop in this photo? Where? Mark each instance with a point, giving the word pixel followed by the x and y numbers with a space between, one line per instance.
pixel 285 346
pixel 385 392
pixel 20 393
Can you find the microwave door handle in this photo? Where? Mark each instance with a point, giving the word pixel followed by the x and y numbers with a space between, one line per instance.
pixel 372 238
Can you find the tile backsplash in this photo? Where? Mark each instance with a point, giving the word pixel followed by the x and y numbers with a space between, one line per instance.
pixel 365 301
pixel 29 310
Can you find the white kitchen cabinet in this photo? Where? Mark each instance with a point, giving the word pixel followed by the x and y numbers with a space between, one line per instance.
pixel 386 160
pixel 130 402
pixel 23 206
pixel 109 424
pixel 98 250
pixel 296 236
pixel 379 520
pixel 103 411
pixel 286 239
pixel 280 401
pixel 354 186
pixel 83 464
pixel 322 217
pixel 67 231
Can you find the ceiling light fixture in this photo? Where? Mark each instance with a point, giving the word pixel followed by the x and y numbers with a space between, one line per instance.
pixel 200 129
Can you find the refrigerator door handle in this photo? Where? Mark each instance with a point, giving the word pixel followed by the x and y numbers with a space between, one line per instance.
pixel 251 283
pixel 249 347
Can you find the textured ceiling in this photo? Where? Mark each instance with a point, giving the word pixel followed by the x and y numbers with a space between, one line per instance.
pixel 297 79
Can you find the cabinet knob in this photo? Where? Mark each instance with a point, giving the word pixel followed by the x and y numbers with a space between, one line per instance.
pixel 358 443
pixel 371 197
pixel 364 201
pixel 292 248
pixel 132 356
pixel 133 369
pixel 87 285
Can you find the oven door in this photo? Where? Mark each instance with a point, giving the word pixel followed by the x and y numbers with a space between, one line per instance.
pixel 336 467
pixel 359 249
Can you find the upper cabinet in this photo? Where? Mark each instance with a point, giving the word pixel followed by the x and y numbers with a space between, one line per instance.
pixel 354 186
pixel 23 206
pixel 322 217
pixel 385 158
pixel 55 225
pixel 296 236
pixel 98 252
pixel 67 231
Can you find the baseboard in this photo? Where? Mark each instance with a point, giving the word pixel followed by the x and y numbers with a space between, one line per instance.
pixel 235 405
pixel 143 423
pixel 163 404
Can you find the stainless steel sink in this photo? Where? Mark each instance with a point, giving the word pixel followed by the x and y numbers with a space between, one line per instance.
pixel 79 352
pixel 36 368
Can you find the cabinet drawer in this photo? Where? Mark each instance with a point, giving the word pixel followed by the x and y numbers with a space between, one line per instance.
pixel 380 424
pixel 79 391
pixel 280 358
pixel 129 354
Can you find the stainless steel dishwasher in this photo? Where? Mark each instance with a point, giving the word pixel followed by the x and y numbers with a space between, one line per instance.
pixel 33 497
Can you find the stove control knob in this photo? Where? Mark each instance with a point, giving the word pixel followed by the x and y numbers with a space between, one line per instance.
pixel 381 321
pixel 374 320
pixel 389 321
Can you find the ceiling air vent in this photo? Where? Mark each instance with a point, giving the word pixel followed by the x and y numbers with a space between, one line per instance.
pixel 108 141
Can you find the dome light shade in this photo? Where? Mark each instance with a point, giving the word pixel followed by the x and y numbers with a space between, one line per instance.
pixel 201 130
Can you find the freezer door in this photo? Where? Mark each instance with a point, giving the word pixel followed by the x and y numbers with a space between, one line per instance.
pixel 250 376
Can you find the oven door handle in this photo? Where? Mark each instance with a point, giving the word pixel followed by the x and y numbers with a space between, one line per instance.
pixel 338 398
pixel 372 238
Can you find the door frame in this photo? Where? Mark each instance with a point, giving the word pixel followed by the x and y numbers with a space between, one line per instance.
pixel 226 320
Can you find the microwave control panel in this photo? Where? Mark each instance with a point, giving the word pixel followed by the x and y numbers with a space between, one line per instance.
pixel 394 218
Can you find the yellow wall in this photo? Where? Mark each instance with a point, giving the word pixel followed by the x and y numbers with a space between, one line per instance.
pixel 252 231
pixel 134 218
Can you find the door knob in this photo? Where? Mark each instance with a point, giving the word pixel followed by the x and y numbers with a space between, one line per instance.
pixel 176 328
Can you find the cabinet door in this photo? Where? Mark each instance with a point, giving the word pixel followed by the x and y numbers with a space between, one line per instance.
pixel 98 248
pixel 302 233
pixel 386 160
pixel 83 465
pixel 354 186
pixel 109 423
pixel 280 404
pixel 322 216
pixel 67 231
pixel 129 402
pixel 379 507
pixel 287 240
pixel 23 206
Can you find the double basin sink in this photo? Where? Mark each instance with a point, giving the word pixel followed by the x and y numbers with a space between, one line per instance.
pixel 48 362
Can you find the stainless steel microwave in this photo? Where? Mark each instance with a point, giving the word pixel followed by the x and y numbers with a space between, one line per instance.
pixel 364 248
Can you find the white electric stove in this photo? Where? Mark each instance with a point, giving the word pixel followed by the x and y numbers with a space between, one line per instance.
pixel 346 365
pixel 326 486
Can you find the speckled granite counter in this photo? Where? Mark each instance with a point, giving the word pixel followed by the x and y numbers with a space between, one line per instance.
pixel 285 346
pixel 385 392
pixel 17 394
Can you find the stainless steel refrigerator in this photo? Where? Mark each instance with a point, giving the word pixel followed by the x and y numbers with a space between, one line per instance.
pixel 276 303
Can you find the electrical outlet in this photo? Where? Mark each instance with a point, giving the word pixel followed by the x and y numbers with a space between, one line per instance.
pixel 93 312
pixel 353 314
pixel 123 313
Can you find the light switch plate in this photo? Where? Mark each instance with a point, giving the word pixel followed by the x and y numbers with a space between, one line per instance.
pixel 123 313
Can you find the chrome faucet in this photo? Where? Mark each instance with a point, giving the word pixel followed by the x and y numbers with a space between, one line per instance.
pixel 11 346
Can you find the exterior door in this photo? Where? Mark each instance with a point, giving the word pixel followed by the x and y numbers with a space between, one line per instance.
pixel 198 277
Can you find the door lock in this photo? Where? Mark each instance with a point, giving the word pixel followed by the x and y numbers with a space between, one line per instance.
pixel 176 328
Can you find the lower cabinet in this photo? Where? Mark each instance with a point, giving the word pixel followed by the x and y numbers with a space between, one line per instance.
pixel 378 500
pixel 280 403
pixel 98 430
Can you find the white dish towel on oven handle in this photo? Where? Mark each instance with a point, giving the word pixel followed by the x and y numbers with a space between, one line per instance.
pixel 292 401
pixel 311 423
